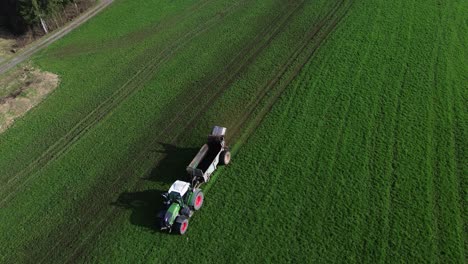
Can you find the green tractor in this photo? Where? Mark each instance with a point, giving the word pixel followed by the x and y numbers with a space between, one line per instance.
pixel 180 201
pixel 183 198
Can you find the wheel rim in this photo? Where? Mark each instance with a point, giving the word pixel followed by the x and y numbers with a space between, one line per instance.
pixel 184 227
pixel 198 201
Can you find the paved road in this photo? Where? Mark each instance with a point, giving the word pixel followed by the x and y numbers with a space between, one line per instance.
pixel 48 39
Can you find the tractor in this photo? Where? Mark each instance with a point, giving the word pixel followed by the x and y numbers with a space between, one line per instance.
pixel 183 198
pixel 180 201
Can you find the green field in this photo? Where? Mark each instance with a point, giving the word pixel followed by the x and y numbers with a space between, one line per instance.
pixel 347 120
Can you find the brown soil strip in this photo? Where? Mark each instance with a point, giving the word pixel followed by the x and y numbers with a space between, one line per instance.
pixel 7 41
pixel 26 87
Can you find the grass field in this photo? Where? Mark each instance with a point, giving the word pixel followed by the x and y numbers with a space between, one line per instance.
pixel 347 120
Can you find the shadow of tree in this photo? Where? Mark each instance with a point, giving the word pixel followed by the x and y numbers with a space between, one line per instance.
pixel 6 34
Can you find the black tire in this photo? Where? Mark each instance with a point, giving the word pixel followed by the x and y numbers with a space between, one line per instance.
pixel 160 219
pixel 197 200
pixel 181 225
pixel 225 157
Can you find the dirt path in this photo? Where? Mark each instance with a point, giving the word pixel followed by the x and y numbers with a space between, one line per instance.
pixel 49 39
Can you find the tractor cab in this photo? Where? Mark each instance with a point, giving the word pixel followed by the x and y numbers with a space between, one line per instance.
pixel 178 190
pixel 176 193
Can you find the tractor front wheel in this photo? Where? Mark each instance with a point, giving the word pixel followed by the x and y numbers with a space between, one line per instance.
pixel 181 225
pixel 225 157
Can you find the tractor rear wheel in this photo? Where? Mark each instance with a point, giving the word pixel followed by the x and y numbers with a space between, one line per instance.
pixel 197 200
pixel 181 225
pixel 160 219
pixel 225 157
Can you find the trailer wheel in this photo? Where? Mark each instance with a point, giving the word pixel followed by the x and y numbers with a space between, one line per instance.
pixel 181 225
pixel 225 157
pixel 197 200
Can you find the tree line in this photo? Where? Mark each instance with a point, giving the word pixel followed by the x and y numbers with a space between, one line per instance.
pixel 22 14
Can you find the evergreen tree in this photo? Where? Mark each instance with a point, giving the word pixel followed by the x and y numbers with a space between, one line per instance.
pixel 29 11
pixel 33 10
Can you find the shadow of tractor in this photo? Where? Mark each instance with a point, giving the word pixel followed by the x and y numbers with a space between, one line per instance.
pixel 145 205
pixel 172 166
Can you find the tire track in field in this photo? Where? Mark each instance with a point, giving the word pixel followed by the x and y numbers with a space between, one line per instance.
pixel 99 228
pixel 275 178
pixel 442 161
pixel 316 46
pixel 459 128
pixel 374 194
pixel 394 152
pixel 135 83
pixel 341 135
pixel 432 163
pixel 387 159
pixel 237 65
pixel 132 37
pixel 163 55
pixel 310 37
pixel 99 112
pixel 459 137
pixel 315 33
